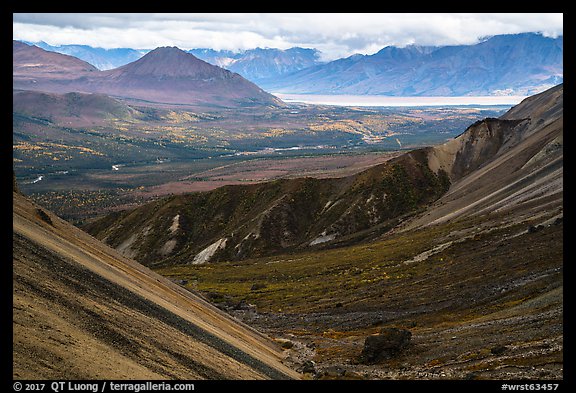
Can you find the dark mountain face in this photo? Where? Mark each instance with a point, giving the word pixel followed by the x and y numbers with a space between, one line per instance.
pixel 171 75
pixel 521 64
pixel 164 75
pixel 170 62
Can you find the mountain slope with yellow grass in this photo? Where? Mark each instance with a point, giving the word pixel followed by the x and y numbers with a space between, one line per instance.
pixel 83 311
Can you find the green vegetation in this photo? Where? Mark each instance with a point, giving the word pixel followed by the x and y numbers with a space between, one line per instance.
pixel 378 274
pixel 275 217
pixel 103 136
pixel 79 206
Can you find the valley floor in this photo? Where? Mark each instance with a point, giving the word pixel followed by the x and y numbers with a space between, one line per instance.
pixel 483 300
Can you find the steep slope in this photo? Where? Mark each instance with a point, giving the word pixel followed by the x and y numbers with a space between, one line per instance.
pixel 80 308
pixel 237 222
pixel 165 75
pixel 520 64
pixel 511 163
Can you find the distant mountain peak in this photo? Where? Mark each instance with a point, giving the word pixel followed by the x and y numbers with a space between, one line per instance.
pixel 166 50
pixel 170 61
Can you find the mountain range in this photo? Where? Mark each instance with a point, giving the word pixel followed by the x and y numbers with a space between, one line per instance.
pixel 253 64
pixel 516 64
pixel 165 75
pixel 512 64
pixel 103 59
pixel 261 64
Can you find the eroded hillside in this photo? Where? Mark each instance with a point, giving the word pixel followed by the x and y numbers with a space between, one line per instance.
pixel 238 222
pixel 514 163
pixel 80 308
pixel 476 277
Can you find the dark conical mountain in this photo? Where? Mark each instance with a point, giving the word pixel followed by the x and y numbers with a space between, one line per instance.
pixel 170 75
pixel 171 62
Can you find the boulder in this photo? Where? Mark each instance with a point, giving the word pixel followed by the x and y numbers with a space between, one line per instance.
pixel 285 344
pixel 308 367
pixel 334 371
pixel 385 345
pixel 43 216
pixel 534 229
pixel 245 306
pixel 498 349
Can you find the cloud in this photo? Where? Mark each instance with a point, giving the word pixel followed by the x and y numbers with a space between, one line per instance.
pixel 335 34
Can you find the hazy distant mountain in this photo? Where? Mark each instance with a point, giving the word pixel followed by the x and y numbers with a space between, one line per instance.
pixel 31 63
pixel 520 64
pixel 221 58
pixel 103 59
pixel 165 75
pixel 261 64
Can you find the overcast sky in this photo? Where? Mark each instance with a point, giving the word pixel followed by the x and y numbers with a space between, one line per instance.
pixel 334 34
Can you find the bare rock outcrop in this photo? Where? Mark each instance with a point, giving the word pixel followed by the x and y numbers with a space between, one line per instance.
pixel 385 345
